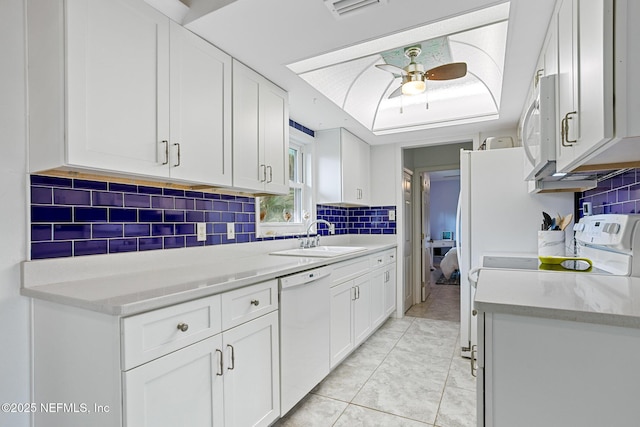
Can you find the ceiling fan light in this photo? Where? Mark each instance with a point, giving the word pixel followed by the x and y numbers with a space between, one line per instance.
pixel 414 87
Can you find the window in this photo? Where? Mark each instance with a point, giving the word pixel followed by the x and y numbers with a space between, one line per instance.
pixel 289 214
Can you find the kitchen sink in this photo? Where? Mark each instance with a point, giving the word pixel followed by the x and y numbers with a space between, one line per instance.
pixel 320 251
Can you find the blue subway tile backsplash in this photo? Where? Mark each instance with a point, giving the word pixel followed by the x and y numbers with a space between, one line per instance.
pixel 78 217
pixel 617 195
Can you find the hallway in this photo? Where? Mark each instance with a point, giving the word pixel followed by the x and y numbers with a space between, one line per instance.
pixel 409 373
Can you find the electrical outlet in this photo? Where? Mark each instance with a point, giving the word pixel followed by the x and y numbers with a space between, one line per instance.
pixel 231 231
pixel 201 231
pixel 392 215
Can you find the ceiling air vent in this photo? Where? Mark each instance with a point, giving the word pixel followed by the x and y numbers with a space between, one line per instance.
pixel 343 8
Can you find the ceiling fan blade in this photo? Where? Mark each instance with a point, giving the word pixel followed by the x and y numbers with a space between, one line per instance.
pixel 448 71
pixel 396 93
pixel 392 69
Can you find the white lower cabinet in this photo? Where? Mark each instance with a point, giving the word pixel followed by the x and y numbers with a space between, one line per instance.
pixel 209 362
pixel 230 379
pixel 182 388
pixel 350 316
pixel 252 373
pixel 361 309
pixel 361 300
pixel 535 371
pixel 342 297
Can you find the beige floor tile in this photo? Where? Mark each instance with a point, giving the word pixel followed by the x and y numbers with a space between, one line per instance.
pixel 313 411
pixel 457 409
pixel 358 416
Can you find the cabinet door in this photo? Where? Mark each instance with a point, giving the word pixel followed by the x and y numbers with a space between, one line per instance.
pixel 200 110
pixel 355 161
pixel 351 165
pixel 362 309
pixel 568 93
pixel 342 297
pixel 275 120
pixel 585 85
pixel 117 79
pixel 252 373
pixel 364 160
pixel 249 171
pixel 390 290
pixel 378 278
pixel 182 388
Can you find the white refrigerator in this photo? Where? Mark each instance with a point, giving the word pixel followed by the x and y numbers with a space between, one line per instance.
pixel 496 216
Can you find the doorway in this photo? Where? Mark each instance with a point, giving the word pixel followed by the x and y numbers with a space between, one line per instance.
pixel 443 195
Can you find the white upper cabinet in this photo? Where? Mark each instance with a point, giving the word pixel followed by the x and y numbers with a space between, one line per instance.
pixel 260 133
pixel 343 168
pixel 585 80
pixel 200 141
pixel 115 88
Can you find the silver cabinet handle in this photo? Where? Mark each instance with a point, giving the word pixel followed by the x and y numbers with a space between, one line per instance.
pixel 177 144
pixel 564 131
pixel 166 152
pixel 233 358
pixel 536 79
pixel 219 373
pixel 270 174
pixel 183 326
pixel 263 172
pixel 474 366
pixel 255 302
pixel 357 292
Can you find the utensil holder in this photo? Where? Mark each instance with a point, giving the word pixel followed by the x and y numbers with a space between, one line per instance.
pixel 551 243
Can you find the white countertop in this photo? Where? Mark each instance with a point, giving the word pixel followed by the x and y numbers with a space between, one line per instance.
pixel 581 297
pixel 139 282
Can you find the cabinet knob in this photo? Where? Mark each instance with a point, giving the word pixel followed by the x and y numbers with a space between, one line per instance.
pixel 255 302
pixel 183 327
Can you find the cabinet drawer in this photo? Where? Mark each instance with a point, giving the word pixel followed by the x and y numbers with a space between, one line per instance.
pixel 349 270
pixel 153 334
pixel 248 303
pixel 383 258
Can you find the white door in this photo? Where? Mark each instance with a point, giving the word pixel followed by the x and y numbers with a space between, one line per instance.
pixel 351 166
pixel 362 309
pixel 568 92
pixel 408 242
pixel 390 289
pixel 118 86
pixel 248 169
pixel 183 388
pixel 200 143
pixel 426 248
pixel 377 303
pixel 252 373
pixel 275 122
pixel 341 331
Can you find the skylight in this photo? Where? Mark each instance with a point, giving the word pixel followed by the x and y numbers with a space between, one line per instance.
pixel 349 77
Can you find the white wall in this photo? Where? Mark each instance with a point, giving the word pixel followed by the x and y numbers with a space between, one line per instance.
pixel 444 202
pixel 14 309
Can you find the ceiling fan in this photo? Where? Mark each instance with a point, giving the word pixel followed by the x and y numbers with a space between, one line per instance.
pixel 414 76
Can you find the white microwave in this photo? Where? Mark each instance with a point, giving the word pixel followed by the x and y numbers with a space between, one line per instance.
pixel 539 131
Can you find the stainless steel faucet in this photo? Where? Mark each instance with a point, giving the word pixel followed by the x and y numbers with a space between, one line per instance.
pixel 308 243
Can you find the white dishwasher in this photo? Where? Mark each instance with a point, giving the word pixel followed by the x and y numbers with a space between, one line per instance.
pixel 304 334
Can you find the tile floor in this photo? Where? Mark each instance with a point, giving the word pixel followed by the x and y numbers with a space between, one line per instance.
pixel 408 373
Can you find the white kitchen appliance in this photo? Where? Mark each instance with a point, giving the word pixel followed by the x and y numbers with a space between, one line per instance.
pixel 304 334
pixel 539 131
pixel 496 214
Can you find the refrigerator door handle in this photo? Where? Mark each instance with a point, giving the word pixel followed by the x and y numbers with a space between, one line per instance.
pixel 474 280
pixel 527 118
pixel 458 221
